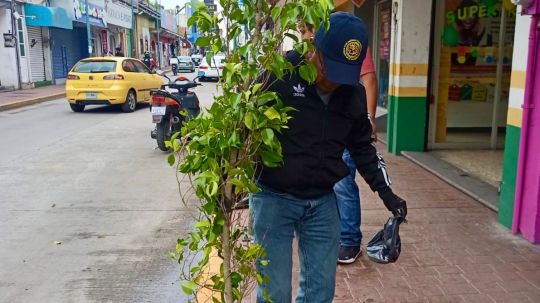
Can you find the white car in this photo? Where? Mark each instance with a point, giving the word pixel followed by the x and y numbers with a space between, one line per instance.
pixel 212 71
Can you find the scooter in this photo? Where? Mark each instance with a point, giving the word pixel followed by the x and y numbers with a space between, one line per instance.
pixel 167 107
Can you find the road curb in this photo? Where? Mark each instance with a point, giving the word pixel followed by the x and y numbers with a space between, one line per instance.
pixel 32 101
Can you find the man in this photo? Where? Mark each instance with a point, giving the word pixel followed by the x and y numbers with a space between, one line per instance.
pixel 347 192
pixel 298 197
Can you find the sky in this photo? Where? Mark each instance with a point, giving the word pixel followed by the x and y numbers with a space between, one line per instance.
pixel 172 3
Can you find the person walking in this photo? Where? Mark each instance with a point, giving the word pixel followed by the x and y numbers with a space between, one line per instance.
pixel 346 190
pixel 297 197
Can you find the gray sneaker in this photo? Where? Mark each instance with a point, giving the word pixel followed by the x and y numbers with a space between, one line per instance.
pixel 349 254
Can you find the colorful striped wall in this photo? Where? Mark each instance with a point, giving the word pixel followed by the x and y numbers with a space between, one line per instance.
pixel 409 57
pixel 513 129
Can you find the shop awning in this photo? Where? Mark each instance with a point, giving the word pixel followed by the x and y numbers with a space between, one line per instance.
pixel 39 15
pixel 168 34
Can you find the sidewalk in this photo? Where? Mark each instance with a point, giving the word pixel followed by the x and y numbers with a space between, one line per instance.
pixel 453 249
pixel 19 98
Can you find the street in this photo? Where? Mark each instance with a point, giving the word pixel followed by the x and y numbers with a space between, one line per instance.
pixel 89 208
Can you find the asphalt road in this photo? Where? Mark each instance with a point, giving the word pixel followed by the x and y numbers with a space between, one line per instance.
pixel 95 182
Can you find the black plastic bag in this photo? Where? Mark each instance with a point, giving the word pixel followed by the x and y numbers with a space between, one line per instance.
pixel 385 247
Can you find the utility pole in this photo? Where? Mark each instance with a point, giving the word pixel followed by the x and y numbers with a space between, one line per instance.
pixel 89 40
pixel 15 33
pixel 158 27
pixel 133 39
pixel 181 41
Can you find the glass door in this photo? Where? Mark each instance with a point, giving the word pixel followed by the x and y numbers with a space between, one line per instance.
pixel 473 63
pixel 381 44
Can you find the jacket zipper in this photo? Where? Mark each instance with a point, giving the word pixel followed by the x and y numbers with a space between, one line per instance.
pixel 325 115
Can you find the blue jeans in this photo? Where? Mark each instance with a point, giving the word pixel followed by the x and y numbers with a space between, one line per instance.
pixel 276 217
pixel 348 201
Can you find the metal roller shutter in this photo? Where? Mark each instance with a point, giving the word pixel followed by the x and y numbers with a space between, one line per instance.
pixel 37 63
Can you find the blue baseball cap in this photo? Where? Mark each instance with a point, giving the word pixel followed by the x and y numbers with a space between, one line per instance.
pixel 343 47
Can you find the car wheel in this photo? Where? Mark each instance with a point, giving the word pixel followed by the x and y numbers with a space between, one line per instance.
pixel 78 108
pixel 131 102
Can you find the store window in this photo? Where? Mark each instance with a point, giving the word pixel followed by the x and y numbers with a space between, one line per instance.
pixel 473 79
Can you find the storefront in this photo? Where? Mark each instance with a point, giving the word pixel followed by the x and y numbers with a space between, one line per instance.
pixel 68 46
pixel 99 44
pixel 119 20
pixel 8 49
pixel 377 14
pixel 472 76
pixel 168 36
pixel 146 20
pixel 39 19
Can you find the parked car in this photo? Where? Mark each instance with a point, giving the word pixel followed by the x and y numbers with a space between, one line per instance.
pixel 196 58
pixel 110 80
pixel 185 63
pixel 212 71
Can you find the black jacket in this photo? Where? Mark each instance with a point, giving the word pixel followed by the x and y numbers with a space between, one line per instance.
pixel 317 136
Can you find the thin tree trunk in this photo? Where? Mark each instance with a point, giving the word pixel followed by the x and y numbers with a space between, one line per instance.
pixel 226 242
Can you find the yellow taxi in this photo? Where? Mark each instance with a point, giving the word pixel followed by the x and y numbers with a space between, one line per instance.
pixel 110 80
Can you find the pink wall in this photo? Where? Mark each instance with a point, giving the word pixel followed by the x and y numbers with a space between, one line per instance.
pixel 527 206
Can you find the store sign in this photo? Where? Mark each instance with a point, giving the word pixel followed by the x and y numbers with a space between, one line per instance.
pixel 96 10
pixel 118 15
pixel 472 12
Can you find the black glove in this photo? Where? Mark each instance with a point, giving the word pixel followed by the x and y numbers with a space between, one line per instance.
pixel 393 203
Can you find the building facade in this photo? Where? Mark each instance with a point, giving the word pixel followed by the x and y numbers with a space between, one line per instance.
pixel 458 80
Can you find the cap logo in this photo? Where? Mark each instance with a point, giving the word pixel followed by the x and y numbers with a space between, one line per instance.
pixel 352 49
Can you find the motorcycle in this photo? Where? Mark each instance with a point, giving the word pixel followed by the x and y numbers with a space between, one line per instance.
pixel 149 61
pixel 167 107
pixel 174 65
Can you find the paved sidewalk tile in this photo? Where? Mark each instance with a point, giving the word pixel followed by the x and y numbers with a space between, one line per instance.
pixel 453 249
pixel 20 98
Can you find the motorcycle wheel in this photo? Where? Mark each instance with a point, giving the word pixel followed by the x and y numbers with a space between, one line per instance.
pixel 163 131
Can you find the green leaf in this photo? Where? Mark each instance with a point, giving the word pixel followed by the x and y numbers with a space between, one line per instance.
pixel 272 114
pixel 189 287
pixel 256 88
pixel 268 136
pixel 250 120
pixel 264 262
pixel 171 159
pixel 236 278
pixel 266 97
pixel 270 159
pixel 203 41
pixel 275 12
pixel 202 224
pixel 308 72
